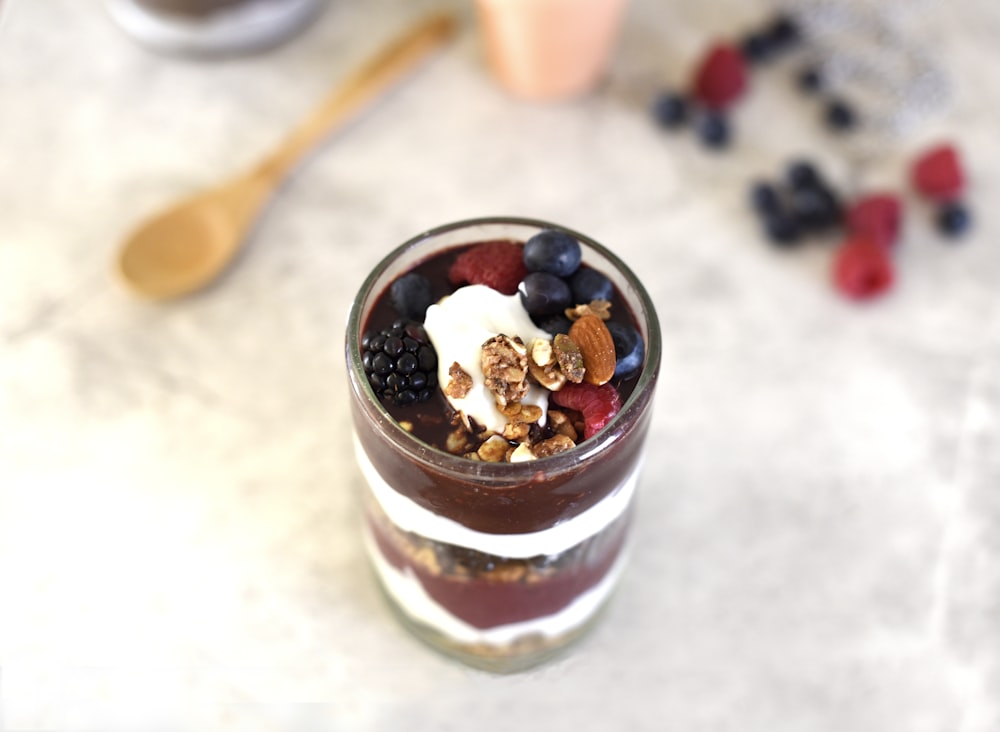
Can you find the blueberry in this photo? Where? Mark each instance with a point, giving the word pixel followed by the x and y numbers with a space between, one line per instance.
pixel 809 80
pixel 782 229
pixel 757 47
pixel 783 32
pixel 713 130
pixel 954 219
pixel 554 324
pixel 839 115
pixel 543 293
pixel 803 174
pixel 764 198
pixel 411 295
pixel 815 208
pixel 670 110
pixel 554 252
pixel 589 284
pixel 629 349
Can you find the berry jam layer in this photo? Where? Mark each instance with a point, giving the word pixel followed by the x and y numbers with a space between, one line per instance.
pixel 408 516
pixel 484 591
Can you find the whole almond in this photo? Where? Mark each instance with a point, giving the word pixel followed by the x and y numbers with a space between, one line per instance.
pixel 597 348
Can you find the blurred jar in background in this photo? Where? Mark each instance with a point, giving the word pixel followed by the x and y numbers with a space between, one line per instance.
pixel 213 27
pixel 549 49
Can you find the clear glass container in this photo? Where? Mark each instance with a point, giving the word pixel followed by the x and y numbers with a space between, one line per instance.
pixel 213 27
pixel 500 565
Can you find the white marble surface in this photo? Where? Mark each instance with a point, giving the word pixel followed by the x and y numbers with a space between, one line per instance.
pixel 179 548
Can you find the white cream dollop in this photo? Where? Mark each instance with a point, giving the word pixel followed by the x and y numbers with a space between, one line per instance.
pixel 459 325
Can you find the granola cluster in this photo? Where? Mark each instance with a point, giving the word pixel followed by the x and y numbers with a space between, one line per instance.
pixel 585 354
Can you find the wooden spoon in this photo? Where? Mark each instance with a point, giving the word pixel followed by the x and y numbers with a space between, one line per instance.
pixel 187 246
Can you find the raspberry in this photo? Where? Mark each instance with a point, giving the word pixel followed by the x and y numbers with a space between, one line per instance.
pixel 862 269
pixel 496 264
pixel 875 217
pixel 721 77
pixel 938 174
pixel 598 404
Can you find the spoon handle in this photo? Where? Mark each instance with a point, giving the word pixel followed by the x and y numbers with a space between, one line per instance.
pixel 358 90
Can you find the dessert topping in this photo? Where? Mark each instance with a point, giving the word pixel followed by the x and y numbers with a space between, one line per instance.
pixel 597 348
pixel 505 368
pixel 600 308
pixel 496 264
pixel 459 382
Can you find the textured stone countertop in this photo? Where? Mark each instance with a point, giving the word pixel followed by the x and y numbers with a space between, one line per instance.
pixel 818 546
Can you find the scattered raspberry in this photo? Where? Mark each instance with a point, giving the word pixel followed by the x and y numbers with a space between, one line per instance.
pixel 496 264
pixel 875 217
pixel 598 404
pixel 862 269
pixel 938 174
pixel 721 77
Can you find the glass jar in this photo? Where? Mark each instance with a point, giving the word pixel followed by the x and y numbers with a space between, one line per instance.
pixel 498 564
pixel 213 27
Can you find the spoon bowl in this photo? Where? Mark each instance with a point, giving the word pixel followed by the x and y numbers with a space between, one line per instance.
pixel 187 246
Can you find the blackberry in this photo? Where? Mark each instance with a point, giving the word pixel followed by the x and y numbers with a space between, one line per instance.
pixel 400 362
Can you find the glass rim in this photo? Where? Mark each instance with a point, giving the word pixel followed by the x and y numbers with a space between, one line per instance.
pixel 444 461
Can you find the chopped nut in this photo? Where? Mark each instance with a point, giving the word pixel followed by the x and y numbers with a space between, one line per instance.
pixel 516 431
pixel 544 367
pixel 511 410
pixel 426 557
pixel 457 442
pixel 541 351
pixel 522 453
pixel 562 425
pixel 569 357
pixel 460 383
pixel 505 366
pixel 508 572
pixel 600 308
pixel 406 425
pixel 494 450
pixel 597 348
pixel 530 413
pixel 553 446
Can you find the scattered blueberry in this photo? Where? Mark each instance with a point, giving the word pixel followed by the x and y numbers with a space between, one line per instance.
pixel 713 130
pixel 839 115
pixel 954 219
pixel 809 80
pixel 400 362
pixel 783 32
pixel 670 110
pixel 629 349
pixel 815 208
pixel 589 284
pixel 756 47
pixel 543 293
pixel 764 198
pixel 802 174
pixel 411 296
pixel 554 252
pixel 782 229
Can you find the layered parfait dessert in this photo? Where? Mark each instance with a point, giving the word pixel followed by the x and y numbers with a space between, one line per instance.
pixel 502 373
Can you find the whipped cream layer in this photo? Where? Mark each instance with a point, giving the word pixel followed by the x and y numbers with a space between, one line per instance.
pixel 459 325
pixel 405 588
pixel 409 516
